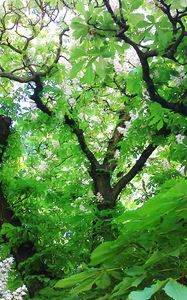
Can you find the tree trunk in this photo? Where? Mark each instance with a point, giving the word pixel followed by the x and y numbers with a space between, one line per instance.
pixel 25 249
pixel 102 229
pixel 103 189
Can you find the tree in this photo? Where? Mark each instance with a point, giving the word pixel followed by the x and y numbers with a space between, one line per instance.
pixel 96 95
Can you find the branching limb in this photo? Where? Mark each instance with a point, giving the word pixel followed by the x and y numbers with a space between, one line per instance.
pixel 120 22
pixel 6 214
pixel 36 97
pixel 134 170
pixel 143 57
pixel 109 162
pixel 5 124
pixel 80 136
pixel 140 163
pixel 16 77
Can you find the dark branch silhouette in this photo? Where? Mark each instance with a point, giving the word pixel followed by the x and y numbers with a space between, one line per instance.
pixel 143 56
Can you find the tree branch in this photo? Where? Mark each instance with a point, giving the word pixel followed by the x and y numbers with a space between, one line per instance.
pixel 154 96
pixel 6 214
pixel 120 185
pixel 36 97
pixel 17 78
pixel 138 166
pixel 109 162
pixel 5 123
pixel 121 23
pixel 80 136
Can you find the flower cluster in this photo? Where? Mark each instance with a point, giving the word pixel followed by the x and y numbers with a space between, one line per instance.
pixel 6 294
pixel 118 67
pixel 34 116
pixel 117 154
pixel 122 130
pixel 114 4
pixel 68 87
pixel 109 129
pixel 99 197
pixel 4 269
pixel 127 124
pixel 55 143
pixel 130 61
pixel 42 167
pixel 180 138
pixel 65 61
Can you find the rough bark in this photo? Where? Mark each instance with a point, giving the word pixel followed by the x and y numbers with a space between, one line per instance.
pixel 26 249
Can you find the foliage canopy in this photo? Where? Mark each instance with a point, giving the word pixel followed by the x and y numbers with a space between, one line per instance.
pixel 93 157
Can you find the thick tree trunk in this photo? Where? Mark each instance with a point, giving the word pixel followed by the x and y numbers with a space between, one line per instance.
pixel 6 214
pixel 103 189
pixel 102 229
pixel 26 249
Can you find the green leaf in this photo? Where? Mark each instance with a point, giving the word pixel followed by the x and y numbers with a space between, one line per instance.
pixel 143 24
pixel 75 69
pixel 101 67
pixel 133 83
pixel 84 286
pixel 74 279
pixel 175 290
pixel 101 252
pixel 82 32
pixel 77 52
pixel 147 293
pixel 136 18
pixel 151 18
pixel 77 23
pixel 135 270
pixel 136 4
pixel 89 74
pixel 160 125
pixel 103 281
pixel 154 258
pixel 125 284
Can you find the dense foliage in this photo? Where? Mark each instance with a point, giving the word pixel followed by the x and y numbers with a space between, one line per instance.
pixel 93 161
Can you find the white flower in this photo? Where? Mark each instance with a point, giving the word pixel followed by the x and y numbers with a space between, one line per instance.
pixel 48 153
pixel 117 154
pixel 121 130
pixel 114 4
pixel 95 119
pixel 43 166
pixel 180 138
pixel 18 294
pixel 131 60
pixel 83 116
pixel 55 143
pixel 68 66
pixel 109 129
pixel 34 116
pixel 82 207
pixel 72 102
pixel 117 64
pixel 51 105
pixel 133 116
pixel 100 135
pixel 67 88
pixel 99 197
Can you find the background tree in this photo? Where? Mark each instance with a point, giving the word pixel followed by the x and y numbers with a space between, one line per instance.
pixel 96 93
